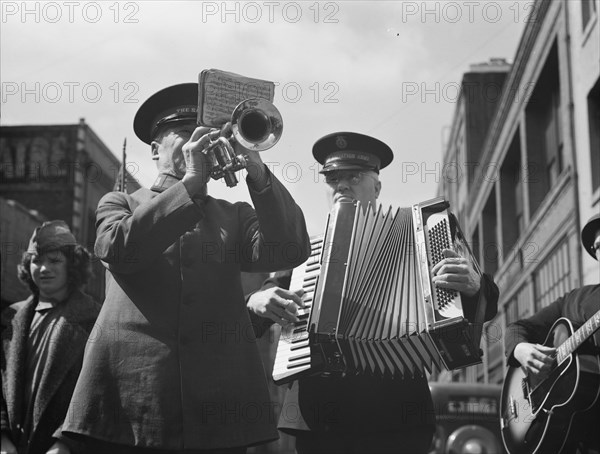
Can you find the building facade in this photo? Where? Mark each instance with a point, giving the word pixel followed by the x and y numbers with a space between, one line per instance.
pixel 16 225
pixel 60 172
pixel 536 177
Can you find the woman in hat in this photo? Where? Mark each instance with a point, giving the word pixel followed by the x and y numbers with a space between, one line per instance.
pixel 43 339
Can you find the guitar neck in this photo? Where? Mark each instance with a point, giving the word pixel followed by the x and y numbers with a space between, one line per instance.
pixel 578 338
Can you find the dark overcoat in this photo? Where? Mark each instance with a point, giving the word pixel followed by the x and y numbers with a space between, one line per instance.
pixel 578 306
pixel 59 377
pixel 175 364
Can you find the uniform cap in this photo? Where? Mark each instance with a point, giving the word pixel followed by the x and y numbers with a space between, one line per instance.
pixel 169 105
pixel 351 151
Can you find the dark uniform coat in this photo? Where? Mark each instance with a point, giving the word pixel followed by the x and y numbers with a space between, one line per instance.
pixel 59 377
pixel 366 404
pixel 578 306
pixel 176 364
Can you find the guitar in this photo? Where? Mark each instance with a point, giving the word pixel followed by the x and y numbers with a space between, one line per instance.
pixel 536 414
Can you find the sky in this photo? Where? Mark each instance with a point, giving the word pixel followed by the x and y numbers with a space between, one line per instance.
pixel 389 69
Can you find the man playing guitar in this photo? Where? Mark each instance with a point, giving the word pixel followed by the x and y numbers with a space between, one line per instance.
pixel 525 348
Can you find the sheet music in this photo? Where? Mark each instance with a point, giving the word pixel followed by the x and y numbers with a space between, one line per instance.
pixel 219 92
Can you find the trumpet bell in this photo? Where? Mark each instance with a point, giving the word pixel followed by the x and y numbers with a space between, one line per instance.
pixel 256 124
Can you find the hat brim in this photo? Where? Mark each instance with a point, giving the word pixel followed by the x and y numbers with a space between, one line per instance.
pixel 357 143
pixel 335 167
pixel 149 113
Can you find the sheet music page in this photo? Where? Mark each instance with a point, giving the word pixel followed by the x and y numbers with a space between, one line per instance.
pixel 219 92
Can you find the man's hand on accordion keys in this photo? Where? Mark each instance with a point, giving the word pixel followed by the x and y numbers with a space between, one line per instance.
pixel 277 304
pixel 456 273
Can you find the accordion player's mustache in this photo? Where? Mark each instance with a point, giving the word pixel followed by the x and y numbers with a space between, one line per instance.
pixel 342 195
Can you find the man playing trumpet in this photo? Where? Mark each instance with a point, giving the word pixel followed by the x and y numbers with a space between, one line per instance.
pixel 173 366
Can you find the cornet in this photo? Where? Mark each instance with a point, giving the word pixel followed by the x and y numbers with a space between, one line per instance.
pixel 256 124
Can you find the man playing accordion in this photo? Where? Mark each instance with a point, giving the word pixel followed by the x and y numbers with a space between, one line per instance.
pixel 362 413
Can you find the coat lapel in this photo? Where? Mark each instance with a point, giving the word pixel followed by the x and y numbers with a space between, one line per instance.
pixel 67 342
pixel 14 346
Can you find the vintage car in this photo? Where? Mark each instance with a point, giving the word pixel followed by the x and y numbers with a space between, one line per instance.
pixel 467 418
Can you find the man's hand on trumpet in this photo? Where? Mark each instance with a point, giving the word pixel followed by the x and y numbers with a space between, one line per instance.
pixel 197 163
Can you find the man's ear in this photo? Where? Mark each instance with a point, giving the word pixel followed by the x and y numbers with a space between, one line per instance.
pixel 377 188
pixel 154 149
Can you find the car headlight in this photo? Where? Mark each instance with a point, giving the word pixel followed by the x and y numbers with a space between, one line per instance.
pixel 473 439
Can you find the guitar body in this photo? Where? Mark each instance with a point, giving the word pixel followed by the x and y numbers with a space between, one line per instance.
pixel 536 416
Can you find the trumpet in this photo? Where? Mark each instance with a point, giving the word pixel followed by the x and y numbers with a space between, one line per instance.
pixel 256 124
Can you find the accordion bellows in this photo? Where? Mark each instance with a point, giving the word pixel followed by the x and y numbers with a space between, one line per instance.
pixel 370 305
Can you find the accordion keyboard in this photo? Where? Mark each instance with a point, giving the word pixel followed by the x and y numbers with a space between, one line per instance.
pixel 447 302
pixel 293 350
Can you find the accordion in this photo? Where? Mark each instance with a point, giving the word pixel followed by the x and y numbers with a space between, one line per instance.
pixel 370 305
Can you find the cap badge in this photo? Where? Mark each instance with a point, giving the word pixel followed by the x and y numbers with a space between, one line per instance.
pixel 340 142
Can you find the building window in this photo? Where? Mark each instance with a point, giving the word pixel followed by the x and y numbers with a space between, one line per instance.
pixel 588 9
pixel 494 349
pixel 511 187
pixel 553 277
pixel 553 139
pixel 479 373
pixel 544 132
pixel 496 373
pixel 459 143
pixel 519 306
pixel 490 238
pixel 459 375
pixel 593 102
pixel 519 216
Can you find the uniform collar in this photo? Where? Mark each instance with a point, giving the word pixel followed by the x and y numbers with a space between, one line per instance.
pixel 44 306
pixel 164 182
